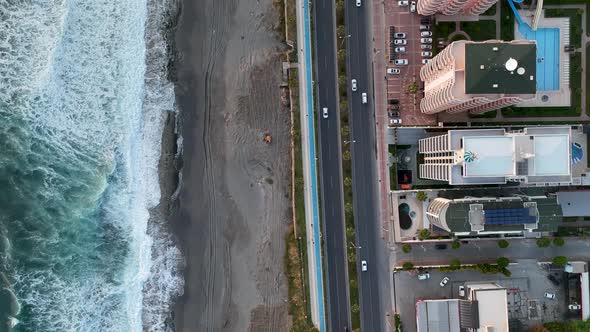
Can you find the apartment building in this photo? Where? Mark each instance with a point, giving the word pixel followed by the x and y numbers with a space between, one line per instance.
pixel 453 7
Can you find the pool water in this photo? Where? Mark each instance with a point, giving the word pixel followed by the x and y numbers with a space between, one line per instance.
pixel 547 55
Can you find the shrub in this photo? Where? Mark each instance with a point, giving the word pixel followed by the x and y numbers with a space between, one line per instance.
pixel 456 244
pixel 560 260
pixel 406 248
pixel 407 266
pixel 502 262
pixel 503 244
pixel 543 242
pixel 455 264
pixel 421 196
pixel 558 241
pixel 423 234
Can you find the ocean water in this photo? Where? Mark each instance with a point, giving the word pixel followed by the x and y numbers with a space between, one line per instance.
pixel 83 100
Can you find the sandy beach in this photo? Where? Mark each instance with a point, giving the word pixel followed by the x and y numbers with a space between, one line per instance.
pixel 234 203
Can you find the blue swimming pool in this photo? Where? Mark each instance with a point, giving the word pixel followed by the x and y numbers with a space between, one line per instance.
pixel 547 55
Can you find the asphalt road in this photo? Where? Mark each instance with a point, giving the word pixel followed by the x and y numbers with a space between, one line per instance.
pixel 334 238
pixel 364 169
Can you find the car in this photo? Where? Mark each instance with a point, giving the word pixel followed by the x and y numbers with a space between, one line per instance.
pixel 425 34
pixel 426 61
pixel 574 306
pixel 426 54
pixel 393 107
pixel 399 35
pixel 413 7
pixel 393 101
pixel 353 85
pixel 444 282
pixel 426 40
pixel 364 97
pixel 393 114
pixel 424 27
pixel 358 3
pixel 461 291
pixel 400 42
pixel 399 49
pixel 424 276
pixel 400 62
pixel 553 280
pixel 393 70
pixel 395 121
pixel 425 46
pixel 364 266
pixel 550 296
pixel 440 246
pixel 403 3
pixel 325 112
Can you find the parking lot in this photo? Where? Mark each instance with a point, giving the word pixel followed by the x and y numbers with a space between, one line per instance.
pixel 526 287
pixel 403 21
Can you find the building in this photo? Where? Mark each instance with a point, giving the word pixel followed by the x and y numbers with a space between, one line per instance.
pixel 453 7
pixel 473 216
pixel 479 76
pixel 574 203
pixel 485 308
pixel 533 155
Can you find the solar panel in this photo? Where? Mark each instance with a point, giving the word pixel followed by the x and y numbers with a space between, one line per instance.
pixel 515 216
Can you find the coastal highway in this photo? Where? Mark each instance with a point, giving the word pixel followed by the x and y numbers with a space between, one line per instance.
pixel 364 167
pixel 330 161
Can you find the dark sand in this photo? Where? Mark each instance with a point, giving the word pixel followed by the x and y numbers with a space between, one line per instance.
pixel 234 202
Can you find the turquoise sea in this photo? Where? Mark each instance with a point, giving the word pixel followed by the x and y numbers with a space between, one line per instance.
pixel 83 99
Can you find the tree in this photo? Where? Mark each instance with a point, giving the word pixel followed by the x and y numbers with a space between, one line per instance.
pixel 341 55
pixel 503 244
pixel 455 264
pixel 342 81
pixel 406 247
pixel 407 266
pixel 560 260
pixel 413 88
pixel 348 208
pixel 355 308
pixel 502 262
pixel 456 244
pixel 421 196
pixel 423 234
pixel 558 241
pixel 341 29
pixel 537 328
pixel 346 155
pixel 344 131
pixel 543 242
pixel 351 256
pixel 347 181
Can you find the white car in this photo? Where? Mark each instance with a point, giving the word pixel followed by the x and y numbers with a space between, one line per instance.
pixel 413 7
pixel 400 35
pixel 425 46
pixel 426 54
pixel 395 121
pixel 364 97
pixel 399 49
pixel 574 307
pixel 364 266
pixel 400 42
pixel 424 276
pixel 424 27
pixel 461 291
pixel 426 40
pixel 353 84
pixel 550 296
pixel 426 61
pixel 425 34
pixel 400 62
pixel 325 112
pixel 403 3
pixel 358 3
pixel 444 282
pixel 393 71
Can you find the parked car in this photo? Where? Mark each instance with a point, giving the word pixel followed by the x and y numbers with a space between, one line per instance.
pixel 425 46
pixel 574 306
pixel 426 54
pixel 553 280
pixel 393 101
pixel 461 291
pixel 403 3
pixel 393 114
pixel 426 40
pixel 399 35
pixel 400 42
pixel 424 276
pixel 395 121
pixel 425 33
pixel 364 266
pixel 440 246
pixel 364 97
pixel 444 282
pixel 400 49
pixel 426 61
pixel 325 112
pixel 424 27
pixel 413 7
pixel 358 3
pixel 401 62
pixel 550 296
pixel 353 84
pixel 393 107
pixel 393 70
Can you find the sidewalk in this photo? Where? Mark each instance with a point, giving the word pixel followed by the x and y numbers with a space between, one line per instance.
pixel 316 282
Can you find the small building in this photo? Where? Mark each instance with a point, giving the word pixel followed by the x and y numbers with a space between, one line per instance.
pixel 574 203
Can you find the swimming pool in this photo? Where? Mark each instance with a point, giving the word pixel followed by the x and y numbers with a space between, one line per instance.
pixel 547 55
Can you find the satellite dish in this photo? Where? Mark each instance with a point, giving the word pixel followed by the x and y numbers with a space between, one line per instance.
pixel 511 64
pixel 520 71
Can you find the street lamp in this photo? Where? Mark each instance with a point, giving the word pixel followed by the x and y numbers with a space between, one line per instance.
pixel 352 245
pixel 348 142
pixel 343 39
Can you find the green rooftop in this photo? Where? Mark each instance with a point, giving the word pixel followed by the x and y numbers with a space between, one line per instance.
pixel 500 68
pixel 550 215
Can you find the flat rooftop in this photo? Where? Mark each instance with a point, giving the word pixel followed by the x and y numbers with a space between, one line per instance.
pixel 500 68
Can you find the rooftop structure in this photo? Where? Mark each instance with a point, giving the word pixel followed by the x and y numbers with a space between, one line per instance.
pixel 479 76
pixel 534 155
pixel 489 215
pixel 452 7
pixel 574 203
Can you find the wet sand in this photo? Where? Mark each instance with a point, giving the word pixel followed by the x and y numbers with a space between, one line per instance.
pixel 234 203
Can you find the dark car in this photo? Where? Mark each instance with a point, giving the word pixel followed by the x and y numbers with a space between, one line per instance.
pixel 393 101
pixel 553 280
pixel 440 246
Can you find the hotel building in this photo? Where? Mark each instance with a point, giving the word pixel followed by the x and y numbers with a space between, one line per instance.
pixel 479 76
pixel 452 7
